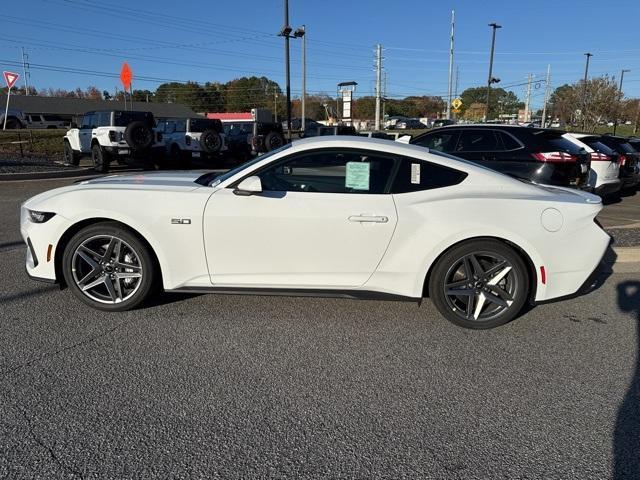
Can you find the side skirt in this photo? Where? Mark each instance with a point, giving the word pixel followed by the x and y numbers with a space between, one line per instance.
pixel 299 292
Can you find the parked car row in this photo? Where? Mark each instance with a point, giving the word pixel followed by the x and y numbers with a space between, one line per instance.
pixel 603 164
pixel 129 136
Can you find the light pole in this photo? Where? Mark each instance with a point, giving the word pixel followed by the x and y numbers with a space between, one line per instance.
pixel 301 33
pixel 494 26
pixel 615 120
pixel 584 92
pixel 286 32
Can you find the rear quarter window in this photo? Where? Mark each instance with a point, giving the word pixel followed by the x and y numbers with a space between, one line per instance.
pixel 417 175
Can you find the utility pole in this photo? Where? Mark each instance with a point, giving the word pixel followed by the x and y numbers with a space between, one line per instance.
pixel 25 71
pixel 275 104
pixel 546 96
pixel 455 94
pixel 384 97
pixel 494 26
pixel 635 126
pixel 453 23
pixel 527 100
pixel 378 84
pixel 620 95
pixel 584 92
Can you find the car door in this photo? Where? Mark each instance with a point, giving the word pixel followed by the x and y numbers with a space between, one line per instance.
pixel 86 127
pixel 324 219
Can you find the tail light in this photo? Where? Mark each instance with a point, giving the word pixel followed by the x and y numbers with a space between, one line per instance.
pixel 187 139
pixel 600 157
pixel 622 159
pixel 554 157
pixel 255 142
pixel 112 136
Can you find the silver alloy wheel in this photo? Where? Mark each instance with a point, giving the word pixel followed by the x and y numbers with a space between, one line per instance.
pixel 106 269
pixel 480 286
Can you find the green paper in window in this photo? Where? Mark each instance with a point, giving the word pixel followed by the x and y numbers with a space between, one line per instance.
pixel 358 175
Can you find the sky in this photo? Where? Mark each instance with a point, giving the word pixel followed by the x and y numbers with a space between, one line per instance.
pixel 77 43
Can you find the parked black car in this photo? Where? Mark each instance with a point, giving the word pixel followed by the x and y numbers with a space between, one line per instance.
pixel 534 154
pixel 629 160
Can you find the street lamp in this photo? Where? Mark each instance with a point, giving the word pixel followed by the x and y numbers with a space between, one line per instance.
pixel 286 32
pixel 615 120
pixel 301 33
pixel 494 26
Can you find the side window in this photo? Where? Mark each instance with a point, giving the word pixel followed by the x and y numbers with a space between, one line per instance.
pixel 415 175
pixel 181 125
pixel 477 141
pixel 330 171
pixel 87 121
pixel 103 119
pixel 508 142
pixel 444 141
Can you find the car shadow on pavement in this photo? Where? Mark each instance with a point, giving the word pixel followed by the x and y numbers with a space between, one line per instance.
pixel 626 438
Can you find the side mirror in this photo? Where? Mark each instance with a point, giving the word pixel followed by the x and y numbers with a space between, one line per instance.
pixel 249 186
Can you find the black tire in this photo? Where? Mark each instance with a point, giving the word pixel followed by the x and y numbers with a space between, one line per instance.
pixel 70 156
pixel 180 159
pixel 100 158
pixel 138 136
pixel 210 141
pixel 462 279
pixel 137 259
pixel 273 140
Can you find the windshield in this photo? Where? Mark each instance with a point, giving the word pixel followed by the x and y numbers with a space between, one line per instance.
pixel 215 178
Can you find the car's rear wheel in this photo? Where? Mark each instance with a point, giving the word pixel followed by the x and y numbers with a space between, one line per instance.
pixel 100 159
pixel 108 267
pixel 479 284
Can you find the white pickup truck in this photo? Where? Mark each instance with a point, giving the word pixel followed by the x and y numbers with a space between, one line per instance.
pixel 187 138
pixel 113 135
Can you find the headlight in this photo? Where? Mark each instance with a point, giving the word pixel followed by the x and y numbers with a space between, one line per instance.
pixel 40 217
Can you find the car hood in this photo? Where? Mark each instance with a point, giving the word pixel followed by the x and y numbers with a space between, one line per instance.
pixel 166 179
pixel 156 181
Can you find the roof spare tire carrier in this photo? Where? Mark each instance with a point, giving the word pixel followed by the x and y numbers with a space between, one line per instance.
pixel 210 141
pixel 138 135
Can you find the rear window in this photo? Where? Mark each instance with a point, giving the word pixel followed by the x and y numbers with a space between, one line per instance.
pixel 618 145
pixel 201 124
pixel 122 119
pixel 597 145
pixel 416 175
pixel 560 144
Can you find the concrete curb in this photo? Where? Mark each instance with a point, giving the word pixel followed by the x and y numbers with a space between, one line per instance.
pixel 66 173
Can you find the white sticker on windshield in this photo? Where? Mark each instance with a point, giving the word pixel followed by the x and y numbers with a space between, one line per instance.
pixel 415 173
pixel 357 175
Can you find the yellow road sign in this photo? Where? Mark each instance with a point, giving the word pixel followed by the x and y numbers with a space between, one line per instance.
pixel 457 103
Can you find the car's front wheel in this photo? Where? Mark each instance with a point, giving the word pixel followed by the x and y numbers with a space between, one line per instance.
pixel 108 267
pixel 479 284
pixel 100 159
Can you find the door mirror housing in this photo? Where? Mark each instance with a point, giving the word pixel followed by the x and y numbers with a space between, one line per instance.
pixel 249 186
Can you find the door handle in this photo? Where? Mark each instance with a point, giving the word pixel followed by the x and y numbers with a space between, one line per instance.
pixel 369 218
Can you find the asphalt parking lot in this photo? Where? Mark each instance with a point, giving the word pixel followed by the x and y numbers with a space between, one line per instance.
pixel 255 387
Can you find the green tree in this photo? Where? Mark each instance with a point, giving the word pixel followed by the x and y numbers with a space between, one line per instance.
pixel 501 101
pixel 243 94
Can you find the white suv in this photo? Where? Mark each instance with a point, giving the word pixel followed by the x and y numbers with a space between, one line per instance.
pixel 187 138
pixel 112 135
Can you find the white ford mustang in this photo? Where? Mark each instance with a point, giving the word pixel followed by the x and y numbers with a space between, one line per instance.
pixel 331 216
